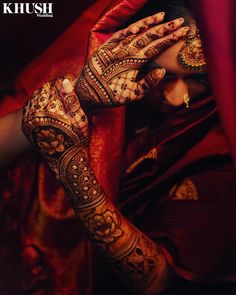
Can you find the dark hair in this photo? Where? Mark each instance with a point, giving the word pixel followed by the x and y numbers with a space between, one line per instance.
pixel 173 9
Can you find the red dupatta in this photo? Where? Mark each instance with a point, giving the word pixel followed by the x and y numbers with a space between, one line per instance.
pixel 63 57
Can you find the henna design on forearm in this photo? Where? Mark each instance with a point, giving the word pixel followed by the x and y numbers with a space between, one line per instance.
pixel 129 253
pixel 134 258
pixel 57 124
pixel 79 180
pixel 140 264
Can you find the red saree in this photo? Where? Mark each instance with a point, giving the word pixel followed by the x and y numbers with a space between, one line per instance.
pixel 51 254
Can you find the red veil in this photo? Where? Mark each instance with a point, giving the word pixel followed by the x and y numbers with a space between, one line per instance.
pixel 217 22
pixel 44 216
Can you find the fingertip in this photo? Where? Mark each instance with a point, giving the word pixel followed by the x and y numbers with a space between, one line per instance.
pixel 185 29
pixel 161 14
pixel 159 17
pixel 134 30
pixel 161 72
pixel 67 86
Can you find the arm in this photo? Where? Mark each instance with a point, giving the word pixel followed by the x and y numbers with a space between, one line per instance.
pixel 59 129
pixel 100 83
pixel 136 260
pixel 57 125
pixel 12 140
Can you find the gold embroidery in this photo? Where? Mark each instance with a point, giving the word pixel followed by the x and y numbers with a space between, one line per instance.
pixel 152 154
pixel 185 191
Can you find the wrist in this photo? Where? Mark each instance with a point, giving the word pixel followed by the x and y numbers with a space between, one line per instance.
pixel 79 180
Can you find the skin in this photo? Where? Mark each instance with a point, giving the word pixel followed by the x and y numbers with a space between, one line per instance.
pixel 182 81
pixel 170 90
pixel 12 140
pixel 59 131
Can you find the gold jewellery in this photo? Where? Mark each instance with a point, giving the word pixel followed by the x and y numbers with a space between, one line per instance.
pixel 191 55
pixel 186 99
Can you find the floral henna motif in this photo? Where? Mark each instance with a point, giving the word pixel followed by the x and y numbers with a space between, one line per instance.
pixel 104 227
pixel 50 123
pixel 50 142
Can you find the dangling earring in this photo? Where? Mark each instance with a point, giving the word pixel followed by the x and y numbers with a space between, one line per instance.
pixel 186 99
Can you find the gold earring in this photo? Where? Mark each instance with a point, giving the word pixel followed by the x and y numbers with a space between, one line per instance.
pixel 186 99
pixel 191 55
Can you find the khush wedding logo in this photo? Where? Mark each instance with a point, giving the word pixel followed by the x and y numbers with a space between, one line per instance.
pixel 39 9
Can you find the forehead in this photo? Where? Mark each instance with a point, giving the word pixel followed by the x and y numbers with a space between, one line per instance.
pixel 168 60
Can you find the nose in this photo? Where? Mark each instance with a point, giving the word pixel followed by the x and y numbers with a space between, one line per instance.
pixel 174 91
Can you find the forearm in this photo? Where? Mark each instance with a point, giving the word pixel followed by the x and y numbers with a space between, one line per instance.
pixel 136 259
pixel 12 140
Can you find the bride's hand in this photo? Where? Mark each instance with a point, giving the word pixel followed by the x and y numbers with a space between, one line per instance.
pixel 55 123
pixel 109 77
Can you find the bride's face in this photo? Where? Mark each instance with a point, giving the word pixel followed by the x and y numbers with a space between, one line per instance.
pixel 178 81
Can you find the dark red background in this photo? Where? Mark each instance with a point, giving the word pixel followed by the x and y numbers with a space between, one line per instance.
pixel 23 37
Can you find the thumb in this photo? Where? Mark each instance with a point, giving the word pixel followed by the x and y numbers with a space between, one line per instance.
pixel 77 116
pixel 153 78
pixel 149 81
pixel 71 101
pixel 67 86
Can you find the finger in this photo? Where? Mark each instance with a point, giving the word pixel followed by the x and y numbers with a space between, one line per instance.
pixel 134 29
pixel 155 33
pixel 148 82
pixel 146 23
pixel 73 108
pixel 71 100
pixel 158 46
pixel 67 86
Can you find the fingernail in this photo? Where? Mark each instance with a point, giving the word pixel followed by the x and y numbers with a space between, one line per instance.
pixel 184 30
pixel 67 86
pixel 161 13
pixel 181 19
pixel 162 72
pixel 134 30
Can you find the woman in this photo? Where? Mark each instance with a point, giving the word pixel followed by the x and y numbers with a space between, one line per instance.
pixel 157 181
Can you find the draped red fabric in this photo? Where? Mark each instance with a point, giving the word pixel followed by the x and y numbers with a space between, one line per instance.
pixel 217 22
pixel 46 221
